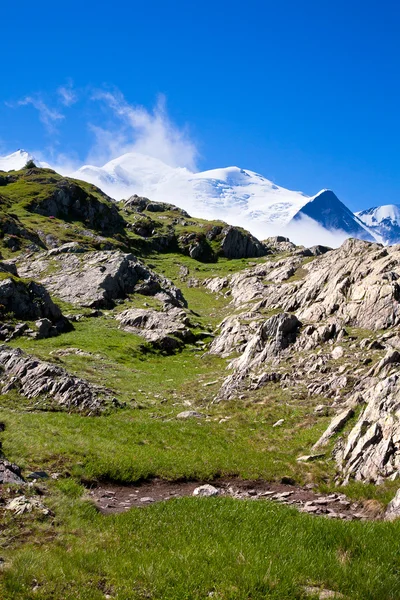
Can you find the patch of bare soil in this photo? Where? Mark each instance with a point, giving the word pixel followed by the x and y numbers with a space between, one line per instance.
pixel 112 498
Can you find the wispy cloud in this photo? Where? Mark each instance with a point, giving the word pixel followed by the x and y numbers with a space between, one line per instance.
pixel 68 95
pixel 120 127
pixel 47 115
pixel 139 130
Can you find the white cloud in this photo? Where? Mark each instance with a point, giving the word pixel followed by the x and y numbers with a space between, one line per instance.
pixel 48 116
pixel 307 232
pixel 67 94
pixel 139 130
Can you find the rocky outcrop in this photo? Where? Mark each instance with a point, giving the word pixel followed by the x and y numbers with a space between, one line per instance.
pixel 8 267
pixel 280 244
pixel 233 242
pixel 237 243
pixel 97 279
pixel 196 246
pixel 167 330
pixel 10 473
pixel 356 285
pixel 235 333
pixel 66 199
pixel 393 509
pixel 256 283
pixel 335 426
pixel 14 235
pixel 141 203
pixel 29 300
pixel 50 385
pixel 270 340
pixel 371 451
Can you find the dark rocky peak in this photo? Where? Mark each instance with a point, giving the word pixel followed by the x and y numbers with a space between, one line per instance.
pixel 329 212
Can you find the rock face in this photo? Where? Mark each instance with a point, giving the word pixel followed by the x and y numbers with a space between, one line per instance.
pixel 14 234
pixel 29 300
pixel 372 449
pixel 393 509
pixel 355 284
pixel 272 337
pixel 36 379
pixel 235 333
pixel 269 341
pixel 97 279
pixel 68 200
pixel 307 344
pixel 239 244
pixel 10 473
pixel 167 330
pixel 141 203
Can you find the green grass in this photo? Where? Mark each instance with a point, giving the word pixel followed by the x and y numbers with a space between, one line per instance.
pixel 169 265
pixel 199 548
pixel 145 439
pixel 149 441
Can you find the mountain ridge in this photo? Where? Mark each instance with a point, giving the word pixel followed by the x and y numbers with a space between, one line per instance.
pixel 240 196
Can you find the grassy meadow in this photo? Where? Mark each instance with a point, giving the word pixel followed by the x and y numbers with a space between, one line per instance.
pixel 187 548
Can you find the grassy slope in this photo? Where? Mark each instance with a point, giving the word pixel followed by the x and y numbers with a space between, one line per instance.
pixel 199 548
pixel 185 548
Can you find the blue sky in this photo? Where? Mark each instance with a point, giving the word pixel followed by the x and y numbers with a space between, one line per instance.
pixel 306 93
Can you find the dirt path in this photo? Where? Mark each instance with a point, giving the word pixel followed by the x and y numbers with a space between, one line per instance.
pixel 111 498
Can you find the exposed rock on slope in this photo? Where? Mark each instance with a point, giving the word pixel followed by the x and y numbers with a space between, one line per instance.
pixel 371 451
pixel 28 300
pixel 356 285
pixel 166 330
pixel 14 235
pixel 97 279
pixel 44 382
pixel 66 199
pixel 230 242
pixel 235 332
pixel 241 244
pixel 141 203
pixel 272 337
pixel 393 509
pixel 10 473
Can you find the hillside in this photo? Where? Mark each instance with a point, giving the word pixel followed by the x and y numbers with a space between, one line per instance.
pixel 239 196
pixel 181 404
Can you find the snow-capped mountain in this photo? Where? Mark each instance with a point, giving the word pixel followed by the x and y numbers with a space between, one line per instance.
pixel 236 192
pixel 238 196
pixel 333 215
pixel 17 160
pixel 383 221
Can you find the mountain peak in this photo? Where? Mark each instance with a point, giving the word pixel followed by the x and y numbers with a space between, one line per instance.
pixel 383 221
pixel 15 161
pixel 327 210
